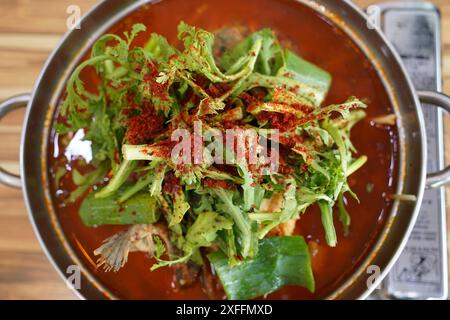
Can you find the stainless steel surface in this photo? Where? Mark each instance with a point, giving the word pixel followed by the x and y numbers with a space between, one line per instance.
pixel 411 177
pixel 19 101
pixel 413 27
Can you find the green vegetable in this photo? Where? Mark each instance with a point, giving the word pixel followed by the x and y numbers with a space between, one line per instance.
pixel 280 261
pixel 305 72
pixel 138 186
pixel 204 230
pixel 306 94
pixel 266 62
pixel 125 169
pixel 327 221
pixel 84 182
pixel 290 210
pixel 139 209
pixel 180 207
pixel 159 48
pixel 201 234
pixel 248 238
pixel 156 184
pixel 344 216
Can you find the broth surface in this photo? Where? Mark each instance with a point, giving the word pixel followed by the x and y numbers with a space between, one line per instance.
pixel 318 41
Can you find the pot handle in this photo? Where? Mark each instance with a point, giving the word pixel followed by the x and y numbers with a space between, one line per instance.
pixel 19 101
pixel 440 178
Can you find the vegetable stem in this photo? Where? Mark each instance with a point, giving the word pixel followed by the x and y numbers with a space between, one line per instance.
pixel 344 216
pixel 125 169
pixel 243 225
pixel 138 186
pixel 356 165
pixel 137 152
pixel 327 221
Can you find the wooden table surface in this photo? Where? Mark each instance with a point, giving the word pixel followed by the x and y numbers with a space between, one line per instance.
pixel 29 30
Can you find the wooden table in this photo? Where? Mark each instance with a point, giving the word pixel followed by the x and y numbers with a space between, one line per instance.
pixel 29 30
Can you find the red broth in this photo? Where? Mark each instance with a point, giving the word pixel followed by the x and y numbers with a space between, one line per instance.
pixel 317 40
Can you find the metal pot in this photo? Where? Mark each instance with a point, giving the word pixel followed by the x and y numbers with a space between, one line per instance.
pixel 412 177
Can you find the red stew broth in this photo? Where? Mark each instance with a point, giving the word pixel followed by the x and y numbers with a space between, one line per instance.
pixel 317 40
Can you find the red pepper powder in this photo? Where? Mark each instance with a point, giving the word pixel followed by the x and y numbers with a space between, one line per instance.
pixel 218 90
pixel 143 127
pixel 281 121
pixel 221 184
pixel 171 183
pixel 251 101
pixel 163 149
pixel 160 90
